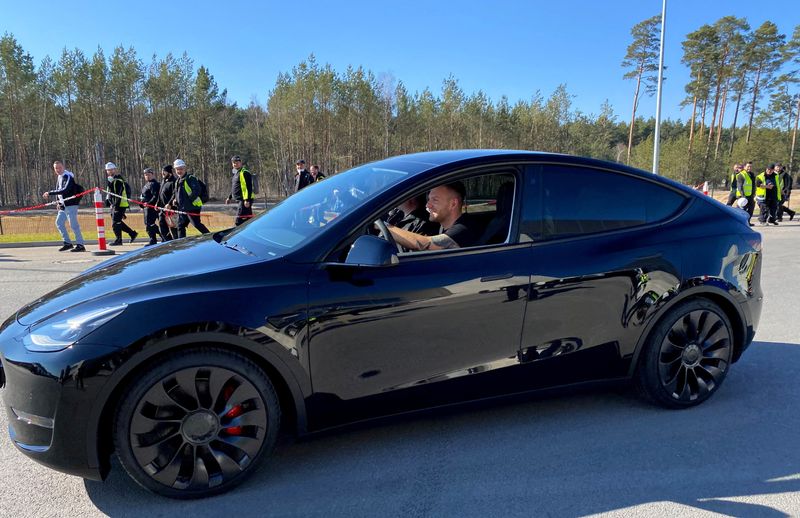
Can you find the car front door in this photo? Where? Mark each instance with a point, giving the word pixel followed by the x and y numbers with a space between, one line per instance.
pixel 420 331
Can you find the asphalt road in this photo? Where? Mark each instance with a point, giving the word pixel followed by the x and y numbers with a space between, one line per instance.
pixel 594 452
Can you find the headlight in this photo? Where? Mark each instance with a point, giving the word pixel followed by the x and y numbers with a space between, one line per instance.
pixel 60 334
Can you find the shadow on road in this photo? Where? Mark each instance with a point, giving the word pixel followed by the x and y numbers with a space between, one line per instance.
pixel 568 455
pixel 5 258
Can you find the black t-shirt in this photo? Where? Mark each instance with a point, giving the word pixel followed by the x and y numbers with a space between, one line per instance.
pixel 462 233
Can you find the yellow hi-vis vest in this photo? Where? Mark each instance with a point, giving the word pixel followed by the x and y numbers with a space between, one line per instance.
pixel 747 185
pixel 761 190
pixel 197 201
pixel 243 184
pixel 123 201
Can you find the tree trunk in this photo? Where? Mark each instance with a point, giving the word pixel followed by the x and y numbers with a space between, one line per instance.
pixel 633 113
pixel 794 137
pixel 721 118
pixel 753 104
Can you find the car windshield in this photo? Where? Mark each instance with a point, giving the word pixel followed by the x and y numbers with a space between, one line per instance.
pixel 304 214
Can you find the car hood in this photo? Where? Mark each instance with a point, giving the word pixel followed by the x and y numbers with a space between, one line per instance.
pixel 145 267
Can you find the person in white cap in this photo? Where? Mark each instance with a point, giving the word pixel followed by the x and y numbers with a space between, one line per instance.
pixel 119 204
pixel 187 199
pixel 66 186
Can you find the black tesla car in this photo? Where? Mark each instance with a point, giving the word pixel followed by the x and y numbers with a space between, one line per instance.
pixel 187 358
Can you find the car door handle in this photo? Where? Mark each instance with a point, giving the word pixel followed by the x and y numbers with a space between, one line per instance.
pixel 500 277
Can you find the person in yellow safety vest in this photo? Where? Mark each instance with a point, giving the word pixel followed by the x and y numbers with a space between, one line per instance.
pixel 187 199
pixel 768 195
pixel 732 184
pixel 744 188
pixel 118 201
pixel 241 190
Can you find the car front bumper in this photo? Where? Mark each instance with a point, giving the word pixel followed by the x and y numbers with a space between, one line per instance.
pixel 50 400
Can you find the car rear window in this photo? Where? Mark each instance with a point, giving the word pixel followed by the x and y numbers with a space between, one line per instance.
pixel 573 201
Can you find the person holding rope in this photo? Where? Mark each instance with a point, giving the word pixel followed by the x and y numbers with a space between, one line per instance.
pixel 187 199
pixel 66 186
pixel 241 190
pixel 149 197
pixel 167 220
pixel 117 199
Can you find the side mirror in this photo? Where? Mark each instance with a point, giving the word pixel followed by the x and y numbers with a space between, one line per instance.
pixel 371 251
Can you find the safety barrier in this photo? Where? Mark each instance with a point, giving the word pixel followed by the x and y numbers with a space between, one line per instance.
pixel 101 225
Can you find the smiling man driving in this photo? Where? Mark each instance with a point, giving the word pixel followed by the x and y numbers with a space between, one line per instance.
pixel 446 207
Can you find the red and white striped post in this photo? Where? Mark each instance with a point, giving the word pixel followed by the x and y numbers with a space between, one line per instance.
pixel 101 224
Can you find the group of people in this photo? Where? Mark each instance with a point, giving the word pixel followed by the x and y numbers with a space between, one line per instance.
pixel 303 177
pixel 169 206
pixel 770 189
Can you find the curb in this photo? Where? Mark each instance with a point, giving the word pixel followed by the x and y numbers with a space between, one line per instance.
pixel 33 244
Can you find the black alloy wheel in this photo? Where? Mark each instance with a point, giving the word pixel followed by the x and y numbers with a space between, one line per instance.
pixel 687 355
pixel 196 424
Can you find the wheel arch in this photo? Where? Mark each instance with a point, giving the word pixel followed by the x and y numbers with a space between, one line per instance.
pixel 711 293
pixel 291 391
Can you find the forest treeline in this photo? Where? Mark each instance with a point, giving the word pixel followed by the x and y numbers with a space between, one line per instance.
pixel 744 100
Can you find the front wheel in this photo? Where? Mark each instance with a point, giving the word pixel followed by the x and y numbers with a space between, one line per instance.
pixel 197 423
pixel 687 355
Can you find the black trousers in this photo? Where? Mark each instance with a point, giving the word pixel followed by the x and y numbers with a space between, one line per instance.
pixel 185 219
pixel 243 213
pixel 150 223
pixel 782 207
pixel 769 210
pixel 731 198
pixel 118 223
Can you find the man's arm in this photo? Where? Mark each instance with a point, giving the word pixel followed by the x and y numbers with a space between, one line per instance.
pixel 414 241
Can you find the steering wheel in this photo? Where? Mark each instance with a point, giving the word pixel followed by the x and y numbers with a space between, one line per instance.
pixel 385 234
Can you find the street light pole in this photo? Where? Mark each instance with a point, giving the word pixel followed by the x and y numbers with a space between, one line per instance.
pixel 657 136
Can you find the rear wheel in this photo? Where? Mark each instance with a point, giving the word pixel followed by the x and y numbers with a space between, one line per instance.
pixel 197 423
pixel 687 355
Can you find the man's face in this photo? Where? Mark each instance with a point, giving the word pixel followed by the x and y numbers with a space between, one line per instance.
pixel 236 164
pixel 314 170
pixel 737 168
pixel 180 171
pixel 58 168
pixel 148 177
pixel 442 204
pixel 111 172
pixel 748 167
pixel 300 167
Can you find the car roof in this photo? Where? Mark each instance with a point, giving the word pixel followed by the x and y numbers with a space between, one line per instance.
pixel 416 163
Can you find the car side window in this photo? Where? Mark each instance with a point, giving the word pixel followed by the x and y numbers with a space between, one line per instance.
pixel 573 201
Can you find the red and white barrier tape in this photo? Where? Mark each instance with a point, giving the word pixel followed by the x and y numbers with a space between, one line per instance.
pixel 43 205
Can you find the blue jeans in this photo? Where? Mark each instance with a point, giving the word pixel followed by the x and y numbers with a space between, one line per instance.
pixel 71 213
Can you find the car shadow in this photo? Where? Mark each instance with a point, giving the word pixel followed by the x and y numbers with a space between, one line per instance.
pixel 583 453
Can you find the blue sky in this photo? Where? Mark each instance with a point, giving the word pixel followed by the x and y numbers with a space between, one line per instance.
pixel 502 47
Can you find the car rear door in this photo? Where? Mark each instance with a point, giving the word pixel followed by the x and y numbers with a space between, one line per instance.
pixel 600 263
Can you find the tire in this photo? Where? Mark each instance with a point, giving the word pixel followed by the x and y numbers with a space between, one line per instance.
pixel 687 355
pixel 197 423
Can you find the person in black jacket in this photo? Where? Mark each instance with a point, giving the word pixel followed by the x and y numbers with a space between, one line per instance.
pixel 118 201
pixel 165 194
pixel 241 190
pixel 67 210
pixel 302 178
pixel 187 199
pixel 149 197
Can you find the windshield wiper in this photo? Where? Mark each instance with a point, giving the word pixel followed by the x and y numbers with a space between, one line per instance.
pixel 238 248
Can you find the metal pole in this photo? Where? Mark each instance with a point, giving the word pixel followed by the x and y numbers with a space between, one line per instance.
pixel 657 137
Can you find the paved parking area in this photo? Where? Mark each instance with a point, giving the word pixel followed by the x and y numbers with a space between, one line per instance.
pixel 594 452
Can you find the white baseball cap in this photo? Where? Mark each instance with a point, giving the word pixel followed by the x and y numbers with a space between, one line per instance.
pixel 111 165
pixel 179 163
